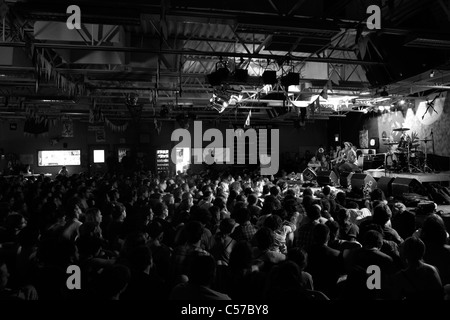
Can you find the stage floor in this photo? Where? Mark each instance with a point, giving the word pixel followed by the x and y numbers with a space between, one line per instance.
pixel 422 177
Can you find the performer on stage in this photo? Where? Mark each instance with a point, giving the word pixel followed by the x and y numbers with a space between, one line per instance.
pixel 351 161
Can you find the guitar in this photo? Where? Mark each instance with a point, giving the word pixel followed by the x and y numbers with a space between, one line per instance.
pixel 342 157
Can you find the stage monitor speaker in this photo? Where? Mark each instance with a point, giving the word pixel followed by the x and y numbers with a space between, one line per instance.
pixel 345 179
pixel 309 175
pixel 407 185
pixel 326 177
pixel 363 183
pixel 385 184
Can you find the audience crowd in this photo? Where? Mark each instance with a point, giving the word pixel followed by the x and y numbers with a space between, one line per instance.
pixel 214 236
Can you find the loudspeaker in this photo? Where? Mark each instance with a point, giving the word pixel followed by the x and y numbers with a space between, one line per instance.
pixel 407 185
pixel 385 184
pixel 309 175
pixel 269 77
pixel 345 179
pixel 363 183
pixel 326 177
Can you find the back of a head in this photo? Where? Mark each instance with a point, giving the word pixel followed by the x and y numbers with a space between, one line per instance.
pixel 227 226
pixel 321 234
pixel 377 194
pixel 273 222
pixel 241 256
pixel 413 249
pixel 299 256
pixel 433 231
pixel 275 191
pixel 193 231
pixel 202 269
pixel 326 190
pixel 155 229
pixel 343 215
pixel 382 214
pixel 264 238
pixel 313 212
pixel 252 199
pixel 307 192
pixel 352 205
pixel 242 215
pixel 372 239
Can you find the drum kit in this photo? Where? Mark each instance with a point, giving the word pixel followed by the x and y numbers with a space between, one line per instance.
pixel 407 157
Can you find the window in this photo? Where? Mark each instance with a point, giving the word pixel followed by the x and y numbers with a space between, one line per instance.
pixel 48 158
pixel 99 156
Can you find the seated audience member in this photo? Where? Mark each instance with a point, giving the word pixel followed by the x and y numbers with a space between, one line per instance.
pixel 419 281
pixel 244 231
pixel 161 253
pixel 370 254
pixel 223 244
pixel 347 230
pixel 305 232
pixel 437 253
pixel 72 227
pixel 201 273
pixel 324 263
pixel 143 284
pixel 284 283
pixel 382 215
pixel 191 244
pixel 7 294
pixel 264 253
pixel 300 258
pixel 403 221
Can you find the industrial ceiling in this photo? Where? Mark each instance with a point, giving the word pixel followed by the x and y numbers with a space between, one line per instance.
pixel 163 59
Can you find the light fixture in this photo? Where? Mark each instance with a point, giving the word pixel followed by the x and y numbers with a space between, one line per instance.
pixel 365 93
pixel 401 102
pixel 432 74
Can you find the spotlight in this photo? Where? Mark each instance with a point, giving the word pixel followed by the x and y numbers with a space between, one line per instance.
pixel 401 102
pixel 432 74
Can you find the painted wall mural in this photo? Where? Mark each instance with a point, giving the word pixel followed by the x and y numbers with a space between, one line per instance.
pixel 427 122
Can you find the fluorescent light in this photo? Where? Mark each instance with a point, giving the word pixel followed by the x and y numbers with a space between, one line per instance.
pixel 365 93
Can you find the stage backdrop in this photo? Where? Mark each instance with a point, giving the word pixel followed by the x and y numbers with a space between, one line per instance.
pixel 421 122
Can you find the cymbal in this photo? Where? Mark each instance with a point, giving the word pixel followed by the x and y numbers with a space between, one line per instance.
pixel 401 129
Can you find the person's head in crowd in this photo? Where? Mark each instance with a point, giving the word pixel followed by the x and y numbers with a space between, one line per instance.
pixel 413 250
pixel 397 208
pixel 291 205
pixel 270 204
pixel 326 190
pixel 215 214
pixel 275 191
pixel 241 198
pixel 227 226
pixel 193 231
pixel 188 199
pixel 265 190
pixel 334 229
pixel 313 213
pixel 29 237
pixel 326 207
pixel 273 222
pixel 433 231
pixel 321 234
pixel 299 257
pixel 201 214
pixel 381 214
pixel 352 205
pixel 93 215
pixel 168 199
pixel 155 231
pixel 220 202
pixel 341 198
pixel 308 201
pixel 119 212
pixel 377 194
pixel 73 210
pixel 252 199
pixel 372 240
pixel 307 192
pixel 248 191
pixel 241 257
pixel 15 223
pixel 160 210
pixel 202 270
pixel 343 216
pixel 242 215
pixel 264 238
